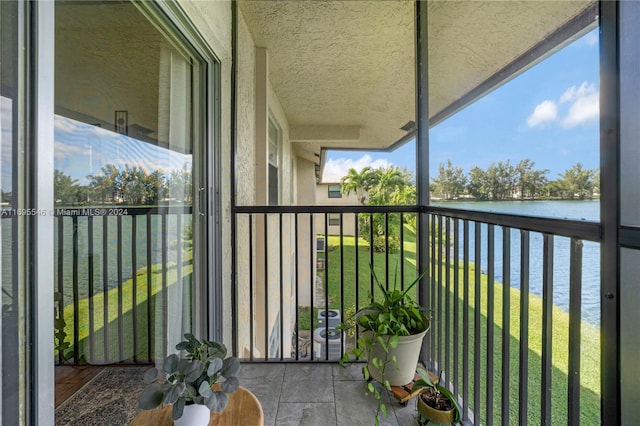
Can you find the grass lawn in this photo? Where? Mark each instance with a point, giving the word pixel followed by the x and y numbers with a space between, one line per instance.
pixel 342 294
pixel 121 321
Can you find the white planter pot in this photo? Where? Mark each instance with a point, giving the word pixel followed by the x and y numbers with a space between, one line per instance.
pixel 407 353
pixel 194 415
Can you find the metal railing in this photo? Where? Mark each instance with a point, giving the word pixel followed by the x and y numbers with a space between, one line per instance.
pixel 114 266
pixel 473 345
pixel 495 314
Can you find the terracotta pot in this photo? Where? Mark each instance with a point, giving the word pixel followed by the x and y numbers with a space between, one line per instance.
pixel 407 353
pixel 437 416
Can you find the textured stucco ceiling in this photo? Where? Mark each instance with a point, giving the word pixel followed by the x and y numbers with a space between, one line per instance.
pixel 348 64
pixel 334 65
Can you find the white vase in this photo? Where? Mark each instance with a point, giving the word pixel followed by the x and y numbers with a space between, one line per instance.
pixel 407 353
pixel 194 415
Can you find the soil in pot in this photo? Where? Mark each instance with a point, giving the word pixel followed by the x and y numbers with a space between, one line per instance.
pixel 437 401
pixel 444 411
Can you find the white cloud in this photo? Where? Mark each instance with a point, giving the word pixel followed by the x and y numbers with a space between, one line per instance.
pixel 546 111
pixel 577 106
pixel 591 39
pixel 585 105
pixel 574 93
pixel 335 169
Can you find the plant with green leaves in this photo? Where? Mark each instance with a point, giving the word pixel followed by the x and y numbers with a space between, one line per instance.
pixel 445 407
pixel 190 379
pixel 384 323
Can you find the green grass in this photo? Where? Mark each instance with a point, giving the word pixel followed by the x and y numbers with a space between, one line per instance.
pixel 341 296
pixel 125 320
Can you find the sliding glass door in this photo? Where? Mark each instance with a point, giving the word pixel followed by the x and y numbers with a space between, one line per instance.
pixel 127 137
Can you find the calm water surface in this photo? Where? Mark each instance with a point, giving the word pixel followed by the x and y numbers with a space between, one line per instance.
pixel 576 210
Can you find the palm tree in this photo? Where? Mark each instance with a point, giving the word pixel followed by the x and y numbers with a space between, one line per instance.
pixel 358 183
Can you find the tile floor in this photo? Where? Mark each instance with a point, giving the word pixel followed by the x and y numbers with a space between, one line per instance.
pixel 319 394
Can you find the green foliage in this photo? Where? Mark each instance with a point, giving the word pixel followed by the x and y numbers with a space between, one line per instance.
pixel 425 383
pixel 450 182
pixel 395 314
pixel 191 378
pixel 503 181
pixel 381 187
pixel 130 185
pixel 62 348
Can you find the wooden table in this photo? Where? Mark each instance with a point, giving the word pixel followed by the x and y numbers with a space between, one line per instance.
pixel 244 409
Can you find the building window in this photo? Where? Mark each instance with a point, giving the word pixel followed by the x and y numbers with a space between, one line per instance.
pixel 334 191
pixel 274 155
pixel 334 219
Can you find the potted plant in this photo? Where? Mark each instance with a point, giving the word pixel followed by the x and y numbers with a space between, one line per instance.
pixel 394 327
pixel 199 381
pixel 435 403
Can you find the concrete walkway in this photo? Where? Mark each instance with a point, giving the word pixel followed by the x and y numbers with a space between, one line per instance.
pixel 319 394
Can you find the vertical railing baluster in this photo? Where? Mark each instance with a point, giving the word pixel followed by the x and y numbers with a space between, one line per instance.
pixel 456 306
pixel 312 278
pixel 547 327
pixel 447 300
pixel 150 336
pixel 490 320
pixel 402 252
pixel 341 284
pixel 476 321
pixel 297 281
pixel 357 269
pixel 120 279
pixel 265 250
pixel 134 284
pixel 60 254
pixel 371 250
pixel 506 323
pixel 386 250
pixel 251 291
pixel 281 272
pixel 179 268
pixel 357 262
pixel 76 292
pixel 465 322
pixel 575 315
pixel 437 306
pixel 165 296
pixel 326 286
pixel 105 287
pixel 524 327
pixel 431 294
pixel 90 273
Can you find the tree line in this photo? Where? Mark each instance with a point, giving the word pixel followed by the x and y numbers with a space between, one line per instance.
pixel 131 185
pixel 507 181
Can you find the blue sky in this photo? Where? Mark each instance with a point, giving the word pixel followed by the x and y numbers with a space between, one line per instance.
pixel 82 150
pixel 548 114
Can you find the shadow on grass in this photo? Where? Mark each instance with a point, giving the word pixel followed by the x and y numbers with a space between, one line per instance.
pixel 127 335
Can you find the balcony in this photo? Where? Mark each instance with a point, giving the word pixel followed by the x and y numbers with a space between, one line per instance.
pixel 293 369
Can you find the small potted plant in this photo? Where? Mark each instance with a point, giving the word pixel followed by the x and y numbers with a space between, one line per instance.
pixel 436 403
pixel 393 329
pixel 195 383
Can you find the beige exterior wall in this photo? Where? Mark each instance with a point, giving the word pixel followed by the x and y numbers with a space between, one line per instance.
pixel 256 102
pixel 348 220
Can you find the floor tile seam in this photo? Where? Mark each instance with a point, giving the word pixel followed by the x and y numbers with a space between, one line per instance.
pixel 335 400
pixel 284 374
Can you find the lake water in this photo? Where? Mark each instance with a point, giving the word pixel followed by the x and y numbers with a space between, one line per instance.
pixel 577 210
